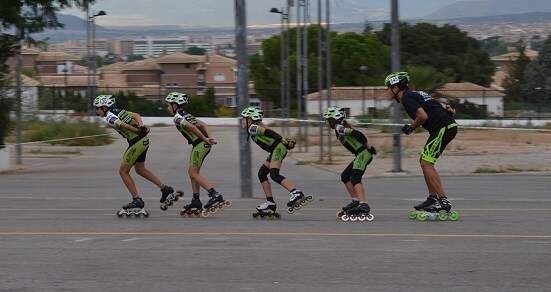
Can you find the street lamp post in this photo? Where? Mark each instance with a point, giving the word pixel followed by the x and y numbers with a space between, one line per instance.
pixel 91 57
pixel 363 70
pixel 284 63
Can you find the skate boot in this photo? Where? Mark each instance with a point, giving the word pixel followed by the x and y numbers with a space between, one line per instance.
pixel 169 197
pixel 266 210
pixel 133 209
pixel 432 209
pixel 358 213
pixel 193 209
pixel 216 202
pixel 351 205
pixel 297 199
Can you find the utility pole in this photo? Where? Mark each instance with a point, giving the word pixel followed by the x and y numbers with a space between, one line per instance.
pixel 18 103
pixel 243 95
pixel 396 113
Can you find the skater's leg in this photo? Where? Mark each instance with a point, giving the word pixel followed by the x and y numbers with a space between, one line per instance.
pixel 432 179
pixel 147 174
pixel 345 178
pixel 275 167
pixel 263 173
pixel 197 180
pixel 124 172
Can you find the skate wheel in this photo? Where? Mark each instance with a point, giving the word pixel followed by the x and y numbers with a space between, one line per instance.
pixel 140 215
pixel 255 215
pixel 297 206
pixel 227 203
pixel 303 202
pixel 412 214
pixel 170 202
pixel 204 214
pixel 369 217
pixel 163 207
pixel 361 218
pixel 454 216
pixel 183 213
pixel 277 216
pixel 339 214
pixel 353 218
pixel 421 216
pixel 221 206
pixel 262 216
pixel 176 198
pixel 270 216
pixel 309 198
pixel 146 214
pixel 442 216
pixel 345 217
pixel 432 216
pixel 290 210
pixel 179 193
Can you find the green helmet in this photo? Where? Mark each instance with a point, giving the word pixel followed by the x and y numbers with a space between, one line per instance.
pixel 253 113
pixel 104 100
pixel 177 98
pixel 334 112
pixel 397 78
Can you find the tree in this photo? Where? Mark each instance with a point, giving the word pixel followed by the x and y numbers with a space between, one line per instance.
pixel 349 52
pixel 516 79
pixel 19 19
pixel 536 84
pixel 196 51
pixel 446 48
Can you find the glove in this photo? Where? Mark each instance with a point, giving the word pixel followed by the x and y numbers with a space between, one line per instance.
pixel 372 150
pixel 143 130
pixel 450 110
pixel 290 144
pixel 407 129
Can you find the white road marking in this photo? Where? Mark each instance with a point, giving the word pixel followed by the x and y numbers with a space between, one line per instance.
pixel 83 239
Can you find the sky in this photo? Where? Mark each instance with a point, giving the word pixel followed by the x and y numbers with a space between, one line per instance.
pixel 220 13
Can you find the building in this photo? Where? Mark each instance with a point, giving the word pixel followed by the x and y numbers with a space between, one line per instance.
pixel 155 47
pixel 504 63
pixel 355 100
pixel 490 98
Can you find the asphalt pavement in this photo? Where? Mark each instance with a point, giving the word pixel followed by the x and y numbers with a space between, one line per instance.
pixel 59 232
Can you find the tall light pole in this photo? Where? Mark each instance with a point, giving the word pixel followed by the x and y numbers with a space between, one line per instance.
pixel 92 58
pixel 363 70
pixel 396 112
pixel 285 70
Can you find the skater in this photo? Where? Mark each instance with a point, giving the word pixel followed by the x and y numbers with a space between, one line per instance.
pixel 198 135
pixel 435 117
pixel 356 142
pixel 130 126
pixel 273 143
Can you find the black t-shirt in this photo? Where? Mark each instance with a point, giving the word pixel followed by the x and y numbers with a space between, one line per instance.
pixel 438 116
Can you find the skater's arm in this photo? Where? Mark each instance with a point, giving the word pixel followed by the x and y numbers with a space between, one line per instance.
pixel 420 118
pixel 196 131
pixel 206 128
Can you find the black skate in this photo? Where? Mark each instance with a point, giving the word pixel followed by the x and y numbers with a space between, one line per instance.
pixel 351 205
pixel 215 203
pixel 297 200
pixel 266 210
pixel 358 213
pixel 433 209
pixel 133 209
pixel 193 209
pixel 169 197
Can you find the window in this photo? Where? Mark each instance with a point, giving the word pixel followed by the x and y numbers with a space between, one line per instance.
pixel 219 77
pixel 171 84
pixel 230 101
pixel 200 78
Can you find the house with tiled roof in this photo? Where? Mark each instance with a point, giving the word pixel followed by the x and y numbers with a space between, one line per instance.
pixel 356 100
pixel 489 97
pixel 504 63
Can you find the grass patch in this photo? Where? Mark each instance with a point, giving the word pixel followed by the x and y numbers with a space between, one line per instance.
pixel 68 134
pixel 502 170
pixel 39 151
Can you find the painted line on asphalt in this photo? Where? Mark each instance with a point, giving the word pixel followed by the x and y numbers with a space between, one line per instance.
pixel 83 239
pixel 267 234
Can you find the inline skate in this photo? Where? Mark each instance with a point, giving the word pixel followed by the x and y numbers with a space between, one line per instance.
pixel 169 197
pixel 432 209
pixel 297 200
pixel 358 213
pixel 133 209
pixel 193 209
pixel 215 203
pixel 266 210
pixel 351 205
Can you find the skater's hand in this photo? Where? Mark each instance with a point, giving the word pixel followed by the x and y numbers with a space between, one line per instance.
pixel 450 110
pixel 372 150
pixel 290 144
pixel 211 141
pixel 143 130
pixel 406 129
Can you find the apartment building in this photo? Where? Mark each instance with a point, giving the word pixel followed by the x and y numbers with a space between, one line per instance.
pixel 155 47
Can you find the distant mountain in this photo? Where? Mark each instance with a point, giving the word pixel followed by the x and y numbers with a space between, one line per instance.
pixel 489 8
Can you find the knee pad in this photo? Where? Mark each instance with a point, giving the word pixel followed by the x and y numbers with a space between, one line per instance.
pixel 356 176
pixel 275 176
pixel 263 173
pixel 345 176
